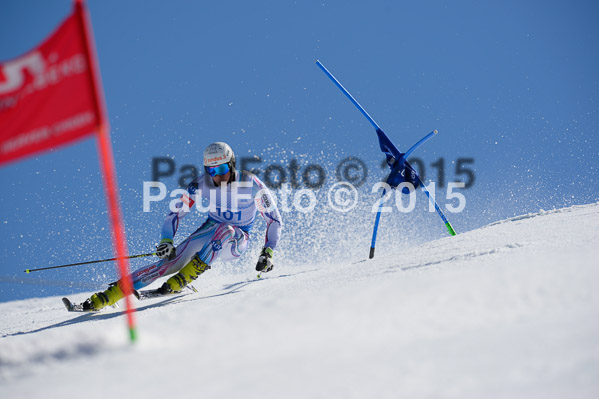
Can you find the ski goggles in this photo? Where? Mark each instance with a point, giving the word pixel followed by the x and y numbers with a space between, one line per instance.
pixel 217 170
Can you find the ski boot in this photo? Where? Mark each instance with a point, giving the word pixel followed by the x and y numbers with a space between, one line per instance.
pixel 100 300
pixel 186 275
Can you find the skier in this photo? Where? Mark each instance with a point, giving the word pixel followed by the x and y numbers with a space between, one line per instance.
pixel 234 197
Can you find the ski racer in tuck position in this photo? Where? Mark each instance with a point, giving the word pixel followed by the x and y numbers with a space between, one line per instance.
pixel 234 197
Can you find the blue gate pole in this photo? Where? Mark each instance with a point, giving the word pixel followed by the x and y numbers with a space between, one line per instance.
pixel 419 143
pixel 432 200
pixel 376 226
pixel 351 98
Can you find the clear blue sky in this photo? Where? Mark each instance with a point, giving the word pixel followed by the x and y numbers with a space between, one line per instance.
pixel 513 85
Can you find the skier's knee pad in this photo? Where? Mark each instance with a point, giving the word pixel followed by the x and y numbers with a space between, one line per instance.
pixel 223 235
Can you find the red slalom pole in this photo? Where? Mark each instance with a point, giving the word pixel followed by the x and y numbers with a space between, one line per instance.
pixel 116 221
pixel 107 166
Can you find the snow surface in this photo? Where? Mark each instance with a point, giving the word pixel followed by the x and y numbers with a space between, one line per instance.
pixel 508 310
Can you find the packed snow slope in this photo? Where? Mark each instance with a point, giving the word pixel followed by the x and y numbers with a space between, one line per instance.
pixel 506 311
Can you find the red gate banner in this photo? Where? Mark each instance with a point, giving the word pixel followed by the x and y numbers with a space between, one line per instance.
pixel 52 96
pixel 46 95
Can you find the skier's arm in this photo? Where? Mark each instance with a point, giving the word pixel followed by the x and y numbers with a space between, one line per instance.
pixel 269 211
pixel 182 207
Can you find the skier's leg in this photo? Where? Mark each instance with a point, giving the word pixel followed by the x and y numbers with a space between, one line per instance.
pixel 145 275
pixel 227 242
pixel 184 254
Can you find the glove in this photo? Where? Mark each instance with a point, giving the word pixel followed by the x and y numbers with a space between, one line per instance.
pixel 165 249
pixel 264 261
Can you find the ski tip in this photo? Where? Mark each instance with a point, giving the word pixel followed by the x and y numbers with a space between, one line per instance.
pixel 67 303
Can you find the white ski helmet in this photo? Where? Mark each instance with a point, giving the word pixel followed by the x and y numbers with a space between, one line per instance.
pixel 219 153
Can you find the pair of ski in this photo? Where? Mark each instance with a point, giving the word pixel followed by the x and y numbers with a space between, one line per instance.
pixel 140 295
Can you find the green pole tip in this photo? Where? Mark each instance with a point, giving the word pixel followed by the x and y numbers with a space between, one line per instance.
pixel 450 229
pixel 27 271
pixel 132 335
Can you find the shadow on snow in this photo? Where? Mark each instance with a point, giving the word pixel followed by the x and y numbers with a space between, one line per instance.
pixel 85 317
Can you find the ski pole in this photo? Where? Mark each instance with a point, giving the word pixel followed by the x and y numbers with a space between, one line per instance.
pixel 87 263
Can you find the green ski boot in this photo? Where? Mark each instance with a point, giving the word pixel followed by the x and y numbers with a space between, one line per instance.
pixel 100 300
pixel 186 275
